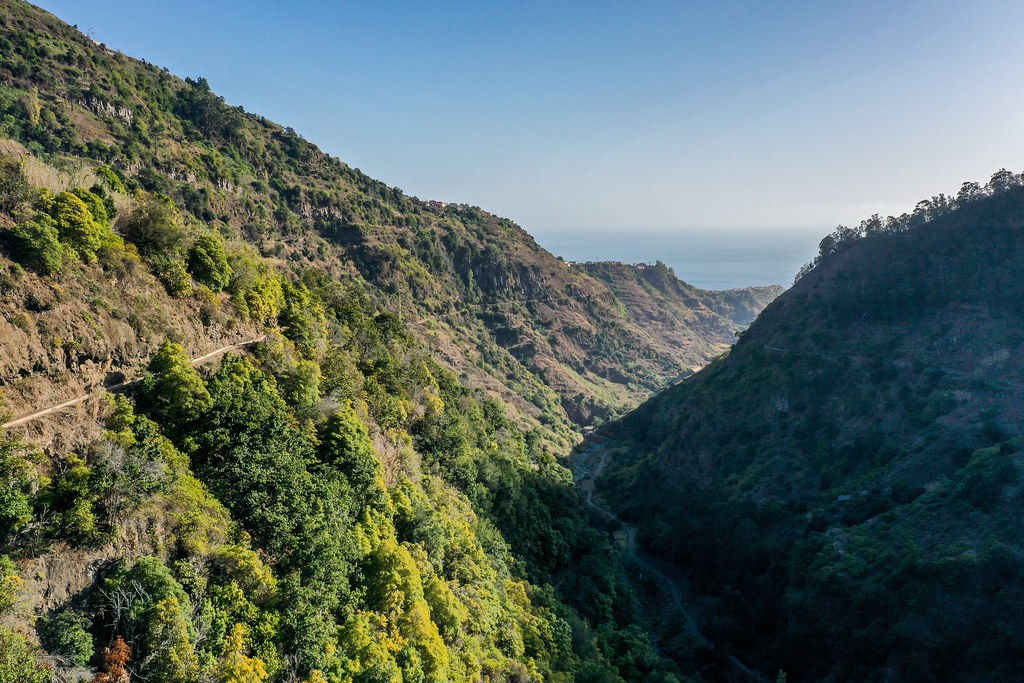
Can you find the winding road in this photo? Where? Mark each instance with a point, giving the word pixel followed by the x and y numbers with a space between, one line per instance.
pixel 629 544
pixel 587 482
pixel 117 387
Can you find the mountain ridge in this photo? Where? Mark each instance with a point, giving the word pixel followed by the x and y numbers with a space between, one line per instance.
pixel 481 278
pixel 841 486
pixel 374 492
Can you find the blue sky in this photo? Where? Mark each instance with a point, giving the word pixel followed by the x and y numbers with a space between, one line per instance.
pixel 618 115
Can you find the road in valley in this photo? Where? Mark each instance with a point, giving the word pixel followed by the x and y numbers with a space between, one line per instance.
pixel 588 472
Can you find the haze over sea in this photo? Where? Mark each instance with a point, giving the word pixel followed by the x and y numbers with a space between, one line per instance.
pixel 706 258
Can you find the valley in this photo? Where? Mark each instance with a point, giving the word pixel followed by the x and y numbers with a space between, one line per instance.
pixel 267 419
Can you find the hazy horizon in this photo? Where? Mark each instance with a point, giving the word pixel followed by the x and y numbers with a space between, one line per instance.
pixel 731 115
pixel 708 258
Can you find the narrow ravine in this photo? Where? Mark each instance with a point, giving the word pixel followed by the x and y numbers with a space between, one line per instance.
pixel 590 463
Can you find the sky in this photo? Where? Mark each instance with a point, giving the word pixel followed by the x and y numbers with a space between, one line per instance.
pixel 618 116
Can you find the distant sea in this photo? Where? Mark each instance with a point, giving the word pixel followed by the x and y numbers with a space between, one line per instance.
pixel 709 259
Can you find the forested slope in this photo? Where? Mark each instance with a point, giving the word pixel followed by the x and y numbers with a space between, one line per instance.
pixel 844 487
pixel 337 505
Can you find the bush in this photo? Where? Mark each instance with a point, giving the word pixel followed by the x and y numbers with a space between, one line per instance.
pixel 304 320
pixel 208 262
pixel 255 286
pixel 157 625
pixel 156 228
pixel 36 245
pixel 18 479
pixel 10 582
pixel 77 227
pixel 65 633
pixel 171 272
pixel 111 180
pixel 14 189
pixel 18 661
pixel 172 386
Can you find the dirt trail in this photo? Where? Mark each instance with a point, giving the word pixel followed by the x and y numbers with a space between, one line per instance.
pixel 117 387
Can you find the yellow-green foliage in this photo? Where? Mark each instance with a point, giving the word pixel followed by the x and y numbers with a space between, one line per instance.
pixel 20 479
pixel 255 286
pixel 303 320
pixel 173 385
pixel 236 666
pixel 10 582
pixel 37 244
pixel 18 660
pixel 81 231
pixel 208 261
pixel 111 180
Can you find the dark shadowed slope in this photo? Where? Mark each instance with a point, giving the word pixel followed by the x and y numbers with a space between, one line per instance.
pixel 844 486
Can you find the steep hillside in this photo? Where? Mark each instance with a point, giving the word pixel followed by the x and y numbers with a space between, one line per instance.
pixel 335 504
pixel 554 341
pixel 844 488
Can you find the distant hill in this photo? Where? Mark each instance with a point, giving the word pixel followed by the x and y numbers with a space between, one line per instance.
pixel 844 487
pixel 698 323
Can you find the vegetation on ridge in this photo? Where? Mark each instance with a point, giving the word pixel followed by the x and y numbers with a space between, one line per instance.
pixel 504 310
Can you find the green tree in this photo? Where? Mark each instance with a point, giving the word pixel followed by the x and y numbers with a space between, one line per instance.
pixel 174 389
pixel 14 188
pixel 18 663
pixel 10 582
pixel 345 447
pixel 65 633
pixel 36 244
pixel 77 227
pixel 153 613
pixel 255 286
pixel 19 479
pixel 156 227
pixel 304 320
pixel 208 262
pixel 236 666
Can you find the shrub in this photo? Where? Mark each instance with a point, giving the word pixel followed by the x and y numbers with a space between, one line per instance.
pixel 304 320
pixel 18 660
pixel 14 188
pixel 36 244
pixel 157 624
pixel 111 180
pixel 10 582
pixel 208 262
pixel 18 479
pixel 65 633
pixel 156 228
pixel 171 272
pixel 173 387
pixel 255 286
pixel 97 206
pixel 76 225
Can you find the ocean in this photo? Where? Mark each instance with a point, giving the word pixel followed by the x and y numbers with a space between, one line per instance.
pixel 709 259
